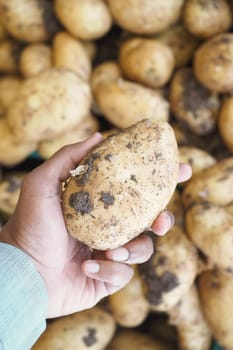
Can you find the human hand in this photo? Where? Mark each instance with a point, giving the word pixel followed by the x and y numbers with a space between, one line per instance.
pixel 75 277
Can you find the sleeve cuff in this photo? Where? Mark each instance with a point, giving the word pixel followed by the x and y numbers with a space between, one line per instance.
pixel 23 302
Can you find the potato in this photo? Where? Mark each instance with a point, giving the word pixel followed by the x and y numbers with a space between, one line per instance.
pixel 9 193
pixel 213 63
pixel 128 339
pixel 129 306
pixel 34 59
pixel 48 104
pixel 124 103
pixel 210 227
pixel 107 71
pixel 175 205
pixel 216 289
pixel 145 17
pixel 192 103
pixel 29 20
pixel 70 53
pixel 79 133
pixel 122 186
pixel 181 42
pixel 9 56
pixel 171 270
pixel 225 122
pixel 9 87
pixel 13 150
pixel 207 18
pixel 146 61
pixel 213 184
pixel 85 19
pixel 196 158
pixel 93 328
pixel 187 316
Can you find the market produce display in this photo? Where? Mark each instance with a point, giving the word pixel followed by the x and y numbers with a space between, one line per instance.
pixel 149 75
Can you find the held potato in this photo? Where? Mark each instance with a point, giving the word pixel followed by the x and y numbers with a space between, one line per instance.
pixel 207 18
pixel 85 19
pixel 122 185
pixel 145 17
pixel 29 20
pixel 48 104
pixel 146 61
pixel 91 329
pixel 210 227
pixel 70 53
pixel 213 184
pixel 34 59
pixel 216 290
pixel 79 133
pixel 171 270
pixel 225 122
pixel 213 63
pixel 192 103
pixel 192 327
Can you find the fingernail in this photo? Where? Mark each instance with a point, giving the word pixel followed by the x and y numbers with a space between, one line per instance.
pixel 170 218
pixel 120 254
pixel 92 267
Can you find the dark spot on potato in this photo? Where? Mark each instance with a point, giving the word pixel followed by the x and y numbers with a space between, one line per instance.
pixel 223 178
pixel 211 3
pixel 129 145
pixel 50 22
pixel 162 260
pixel 83 179
pixel 202 256
pixel 206 205
pixel 16 52
pixel 14 184
pixel 229 169
pixel 90 339
pixel 108 157
pixel 133 178
pixel 229 269
pixel 81 202
pixel 214 285
pixel 69 216
pixel 107 199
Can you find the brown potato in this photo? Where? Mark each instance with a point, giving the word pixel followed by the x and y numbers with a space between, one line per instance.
pixel 192 327
pixel 213 184
pixel 192 103
pixel 70 53
pixel 79 133
pixel 225 122
pixel 93 328
pixel 181 42
pixel 210 227
pixel 216 290
pixel 207 18
pixel 13 150
pixel 48 104
pixel 145 17
pixel 9 56
pixel 124 103
pixel 29 20
pixel 85 19
pixel 213 63
pixel 34 59
pixel 171 270
pixel 128 339
pixel 9 87
pixel 129 306
pixel 146 61
pixel 123 184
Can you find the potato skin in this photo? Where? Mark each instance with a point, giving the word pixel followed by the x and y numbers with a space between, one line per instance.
pixel 171 270
pixel 128 179
pixel 93 328
pixel 192 103
pixel 145 17
pixel 225 122
pixel 207 18
pixel 34 59
pixel 213 184
pixel 213 63
pixel 49 103
pixel 146 61
pixel 216 290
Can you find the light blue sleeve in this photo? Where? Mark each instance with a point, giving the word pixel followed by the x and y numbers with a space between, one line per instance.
pixel 23 300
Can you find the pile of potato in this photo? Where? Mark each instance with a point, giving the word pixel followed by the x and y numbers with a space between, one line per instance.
pixel 71 67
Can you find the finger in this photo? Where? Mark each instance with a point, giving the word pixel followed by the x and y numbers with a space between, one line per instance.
pixel 136 251
pixel 185 172
pixel 113 273
pixel 163 223
pixel 57 168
